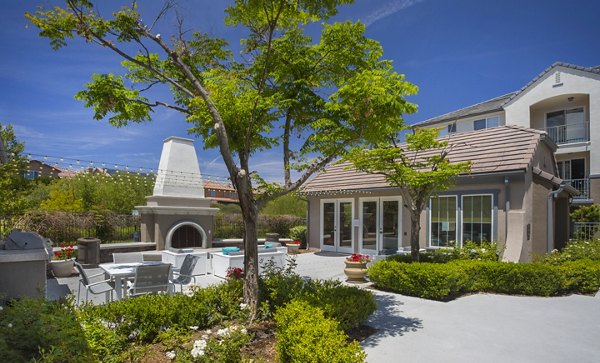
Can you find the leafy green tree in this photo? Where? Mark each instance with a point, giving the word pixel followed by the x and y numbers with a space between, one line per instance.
pixel 85 192
pixel 311 98
pixel 586 213
pixel 420 168
pixel 13 185
pixel 289 204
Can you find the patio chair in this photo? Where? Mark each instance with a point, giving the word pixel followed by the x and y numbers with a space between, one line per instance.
pixel 150 279
pixel 127 257
pixel 185 273
pixel 96 288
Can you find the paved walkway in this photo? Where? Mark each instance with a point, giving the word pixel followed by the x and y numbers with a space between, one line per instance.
pixel 476 328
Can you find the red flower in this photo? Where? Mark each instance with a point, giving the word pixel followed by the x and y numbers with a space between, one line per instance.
pixel 357 257
pixel 235 273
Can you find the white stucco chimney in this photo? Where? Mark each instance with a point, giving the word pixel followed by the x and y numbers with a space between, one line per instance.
pixel 179 171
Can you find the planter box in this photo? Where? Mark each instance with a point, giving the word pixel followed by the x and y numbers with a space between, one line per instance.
pixel 176 259
pixel 222 262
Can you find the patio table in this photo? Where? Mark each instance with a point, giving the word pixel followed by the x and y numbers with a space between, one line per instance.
pixel 121 272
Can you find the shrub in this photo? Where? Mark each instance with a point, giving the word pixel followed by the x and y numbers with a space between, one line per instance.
pixel 348 305
pixel 574 251
pixel 446 281
pixel 304 334
pixel 485 251
pixel 38 329
pixel 426 280
pixel 232 226
pixel 582 276
pixel 110 328
pixel 298 233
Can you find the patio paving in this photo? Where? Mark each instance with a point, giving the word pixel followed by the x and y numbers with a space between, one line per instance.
pixel 476 328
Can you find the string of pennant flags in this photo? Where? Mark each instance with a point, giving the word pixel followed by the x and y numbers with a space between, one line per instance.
pixel 101 169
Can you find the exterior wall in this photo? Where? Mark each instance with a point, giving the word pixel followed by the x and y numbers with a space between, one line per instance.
pixel 583 86
pixel 468 185
pixel 466 124
pixel 539 221
pixel 595 188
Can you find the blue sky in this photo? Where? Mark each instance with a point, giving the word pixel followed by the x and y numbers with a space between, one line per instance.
pixel 458 52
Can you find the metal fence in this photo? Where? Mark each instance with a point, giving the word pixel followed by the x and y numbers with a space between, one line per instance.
pixel 62 227
pixel 585 230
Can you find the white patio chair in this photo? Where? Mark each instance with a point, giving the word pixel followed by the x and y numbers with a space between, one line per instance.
pixel 150 279
pixel 128 257
pixel 185 273
pixel 96 288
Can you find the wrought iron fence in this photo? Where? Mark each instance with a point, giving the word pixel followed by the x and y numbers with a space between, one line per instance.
pixel 62 227
pixel 232 225
pixel 585 230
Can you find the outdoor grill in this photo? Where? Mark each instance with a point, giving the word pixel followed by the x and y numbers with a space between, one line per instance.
pixel 22 240
pixel 23 259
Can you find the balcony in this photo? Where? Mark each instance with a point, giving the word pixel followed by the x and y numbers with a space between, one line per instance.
pixel 571 133
pixel 583 185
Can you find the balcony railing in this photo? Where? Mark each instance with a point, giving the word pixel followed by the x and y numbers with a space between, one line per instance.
pixel 585 230
pixel 567 134
pixel 583 185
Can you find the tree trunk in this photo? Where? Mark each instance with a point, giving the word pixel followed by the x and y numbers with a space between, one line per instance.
pixel 415 228
pixel 250 216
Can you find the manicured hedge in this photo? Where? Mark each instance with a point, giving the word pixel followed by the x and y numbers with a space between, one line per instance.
pixel 304 334
pixel 446 281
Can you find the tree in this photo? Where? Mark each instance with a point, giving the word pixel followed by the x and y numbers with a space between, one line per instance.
pixel 420 168
pixel 13 185
pixel 313 99
pixel 286 205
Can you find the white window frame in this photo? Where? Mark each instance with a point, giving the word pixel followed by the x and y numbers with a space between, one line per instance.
pixel 462 211
pixel 456 215
pixel 486 121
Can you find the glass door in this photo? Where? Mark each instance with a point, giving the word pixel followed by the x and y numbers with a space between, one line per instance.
pixel 336 225
pixel 380 225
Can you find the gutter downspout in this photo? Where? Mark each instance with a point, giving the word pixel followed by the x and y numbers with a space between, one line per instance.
pixel 506 209
pixel 550 224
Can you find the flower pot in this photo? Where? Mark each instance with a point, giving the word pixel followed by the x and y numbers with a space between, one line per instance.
pixel 62 268
pixel 356 271
pixel 292 248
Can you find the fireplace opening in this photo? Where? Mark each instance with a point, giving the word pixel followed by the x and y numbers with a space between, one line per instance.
pixel 186 235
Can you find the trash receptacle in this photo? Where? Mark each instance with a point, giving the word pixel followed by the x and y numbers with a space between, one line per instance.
pixel 272 237
pixel 88 251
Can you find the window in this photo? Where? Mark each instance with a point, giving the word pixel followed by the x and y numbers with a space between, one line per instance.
pixel 567 126
pixel 31 174
pixel 443 221
pixel 477 218
pixel 213 193
pixel 452 128
pixel 486 123
pixel 571 169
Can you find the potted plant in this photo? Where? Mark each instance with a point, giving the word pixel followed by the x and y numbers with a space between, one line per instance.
pixel 62 261
pixel 293 246
pixel 356 267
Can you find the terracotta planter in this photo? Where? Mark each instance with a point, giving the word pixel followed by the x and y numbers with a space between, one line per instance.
pixel 356 271
pixel 62 268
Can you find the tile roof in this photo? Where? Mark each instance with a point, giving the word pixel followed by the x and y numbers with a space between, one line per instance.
pixel 498 103
pixel 494 150
pixel 495 104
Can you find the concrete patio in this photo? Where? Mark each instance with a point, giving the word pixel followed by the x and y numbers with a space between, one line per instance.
pixel 476 328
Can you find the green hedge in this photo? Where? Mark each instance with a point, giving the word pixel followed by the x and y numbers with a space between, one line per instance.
pixel 304 334
pixel 447 281
pixel 348 305
pixel 484 251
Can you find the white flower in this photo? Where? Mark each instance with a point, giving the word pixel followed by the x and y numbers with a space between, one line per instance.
pixel 244 331
pixel 1 308
pixel 243 306
pixel 171 355
pixel 193 328
pixel 196 352
pixel 233 328
pixel 223 333
pixel 9 325
pixel 200 344
pixel 208 331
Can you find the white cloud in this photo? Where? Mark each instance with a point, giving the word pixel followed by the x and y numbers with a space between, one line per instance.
pixel 388 9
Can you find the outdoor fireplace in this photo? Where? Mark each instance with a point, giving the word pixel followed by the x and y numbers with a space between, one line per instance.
pixel 177 215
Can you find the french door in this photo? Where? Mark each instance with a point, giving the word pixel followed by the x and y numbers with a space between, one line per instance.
pixel 337 233
pixel 380 225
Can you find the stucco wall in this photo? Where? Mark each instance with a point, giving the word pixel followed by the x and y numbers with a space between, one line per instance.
pixel 570 82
